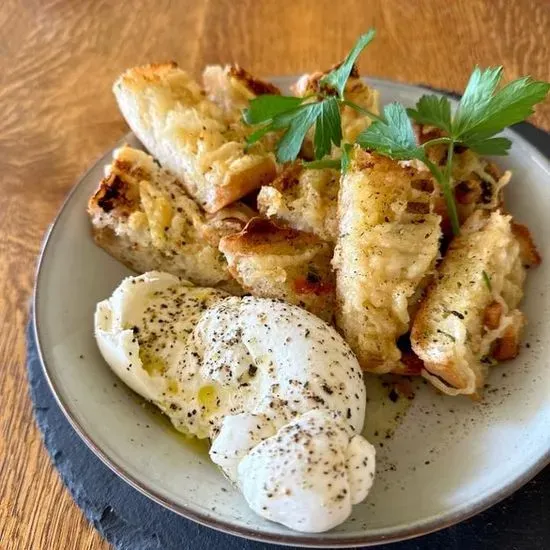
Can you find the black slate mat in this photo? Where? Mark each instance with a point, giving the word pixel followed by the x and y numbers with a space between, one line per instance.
pixel 130 521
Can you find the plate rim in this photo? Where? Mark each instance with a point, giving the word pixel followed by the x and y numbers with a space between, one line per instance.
pixel 419 528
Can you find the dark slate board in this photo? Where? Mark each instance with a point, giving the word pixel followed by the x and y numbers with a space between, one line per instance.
pixel 130 521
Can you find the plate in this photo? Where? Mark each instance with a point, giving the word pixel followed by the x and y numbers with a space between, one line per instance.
pixel 440 459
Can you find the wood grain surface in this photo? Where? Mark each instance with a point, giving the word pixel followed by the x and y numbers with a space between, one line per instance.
pixel 58 59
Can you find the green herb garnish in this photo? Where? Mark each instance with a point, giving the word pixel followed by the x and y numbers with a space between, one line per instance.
pixel 337 78
pixel 394 137
pixel 296 115
pixel 482 113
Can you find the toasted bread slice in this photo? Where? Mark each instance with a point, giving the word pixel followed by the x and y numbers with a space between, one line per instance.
pixel 304 199
pixel 387 248
pixel 357 91
pixel 275 262
pixel 469 313
pixel 142 216
pixel 190 136
pixel 231 88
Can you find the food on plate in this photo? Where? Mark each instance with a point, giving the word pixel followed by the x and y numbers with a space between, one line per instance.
pixel 142 333
pixel 355 91
pixel 304 199
pixel 190 136
pixel 470 315
pixel 388 188
pixel 269 383
pixel 386 253
pixel 277 262
pixel 325 208
pixel 477 183
pixel 338 473
pixel 530 256
pixel 231 87
pixel 142 215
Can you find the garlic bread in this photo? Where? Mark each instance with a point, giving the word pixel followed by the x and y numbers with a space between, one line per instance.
pixel 386 251
pixel 469 314
pixel 275 262
pixel 190 135
pixel 142 215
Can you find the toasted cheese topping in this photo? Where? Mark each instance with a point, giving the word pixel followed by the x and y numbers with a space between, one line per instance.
pixel 306 200
pixel 387 248
pixel 190 135
pixel 146 205
pixel 453 332
pixel 231 88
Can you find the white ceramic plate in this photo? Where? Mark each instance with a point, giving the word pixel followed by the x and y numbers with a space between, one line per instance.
pixel 448 459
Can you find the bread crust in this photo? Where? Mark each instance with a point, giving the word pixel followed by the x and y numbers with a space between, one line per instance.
pixel 192 136
pixel 471 305
pixel 141 215
pixel 270 261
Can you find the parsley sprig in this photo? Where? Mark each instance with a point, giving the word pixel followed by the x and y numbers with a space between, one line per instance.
pixel 296 115
pixel 482 113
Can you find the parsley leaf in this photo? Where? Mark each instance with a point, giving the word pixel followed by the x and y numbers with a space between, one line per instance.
pixel 434 111
pixel 265 107
pixel 278 122
pixel 258 134
pixel 476 97
pixel 302 120
pixel 483 112
pixel 337 78
pixel 393 137
pixel 491 146
pixel 510 105
pixel 296 115
pixel 328 128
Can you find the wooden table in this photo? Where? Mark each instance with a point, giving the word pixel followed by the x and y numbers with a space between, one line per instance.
pixel 58 59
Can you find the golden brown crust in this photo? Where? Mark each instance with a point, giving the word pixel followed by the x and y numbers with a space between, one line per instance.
pixel 114 193
pixel 261 235
pixel 254 84
pixel 152 72
pixel 507 347
pixel 141 215
pixel 529 254
pixel 492 315
pixel 192 136
pixel 277 262
pixel 240 184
